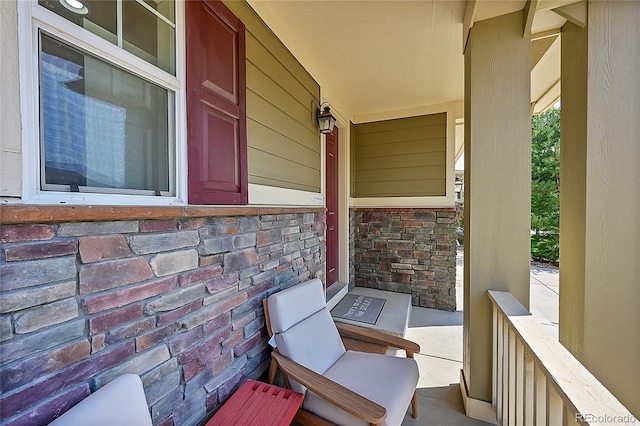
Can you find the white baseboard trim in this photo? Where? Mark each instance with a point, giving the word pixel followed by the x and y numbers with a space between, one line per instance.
pixel 476 408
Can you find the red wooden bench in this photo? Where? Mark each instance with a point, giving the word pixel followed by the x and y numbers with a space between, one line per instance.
pixel 260 404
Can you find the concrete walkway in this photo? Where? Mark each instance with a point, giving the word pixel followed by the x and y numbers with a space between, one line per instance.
pixel 439 334
pixel 544 297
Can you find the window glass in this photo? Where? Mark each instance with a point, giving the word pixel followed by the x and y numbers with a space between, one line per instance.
pixel 144 28
pixel 146 36
pixel 165 7
pixel 103 129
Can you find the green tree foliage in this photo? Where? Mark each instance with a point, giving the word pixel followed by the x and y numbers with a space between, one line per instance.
pixel 545 186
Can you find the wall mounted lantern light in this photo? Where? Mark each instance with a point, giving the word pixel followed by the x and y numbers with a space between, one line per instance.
pixel 458 185
pixel 326 121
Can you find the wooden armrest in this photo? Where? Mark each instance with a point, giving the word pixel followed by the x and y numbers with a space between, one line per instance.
pixel 376 336
pixel 336 394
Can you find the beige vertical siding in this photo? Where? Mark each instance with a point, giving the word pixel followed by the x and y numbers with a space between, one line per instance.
pixel 497 204
pixel 283 139
pixel 599 197
pixel 400 158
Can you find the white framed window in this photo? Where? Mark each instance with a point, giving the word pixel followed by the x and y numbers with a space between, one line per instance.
pixel 102 101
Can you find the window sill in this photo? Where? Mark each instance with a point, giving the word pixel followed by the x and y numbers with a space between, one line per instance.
pixel 24 214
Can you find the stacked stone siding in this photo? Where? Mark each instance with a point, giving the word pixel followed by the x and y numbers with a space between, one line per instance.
pixel 176 300
pixel 352 249
pixel 408 251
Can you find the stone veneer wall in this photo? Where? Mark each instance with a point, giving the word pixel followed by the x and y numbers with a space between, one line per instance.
pixel 407 251
pixel 352 249
pixel 177 300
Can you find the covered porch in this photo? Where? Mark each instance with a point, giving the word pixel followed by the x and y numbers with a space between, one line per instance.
pixel 518 59
pixel 412 85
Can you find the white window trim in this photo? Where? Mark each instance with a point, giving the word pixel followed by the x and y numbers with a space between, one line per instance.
pixel 32 17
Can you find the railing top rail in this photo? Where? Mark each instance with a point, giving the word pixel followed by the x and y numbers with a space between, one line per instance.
pixel 579 389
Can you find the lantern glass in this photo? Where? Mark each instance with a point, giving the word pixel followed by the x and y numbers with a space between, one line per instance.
pixel 326 121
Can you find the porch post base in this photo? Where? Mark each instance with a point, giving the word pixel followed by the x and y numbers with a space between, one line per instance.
pixel 476 408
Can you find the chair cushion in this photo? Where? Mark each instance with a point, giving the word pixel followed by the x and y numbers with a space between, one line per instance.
pixel 119 402
pixel 386 380
pixel 313 342
pixel 289 307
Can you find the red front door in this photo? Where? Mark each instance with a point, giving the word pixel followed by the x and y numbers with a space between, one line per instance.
pixel 331 191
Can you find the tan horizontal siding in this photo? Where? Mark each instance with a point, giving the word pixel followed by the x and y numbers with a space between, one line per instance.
pixel 266 139
pixel 401 123
pixel 261 58
pixel 299 109
pixel 257 180
pixel 400 158
pixel 402 174
pixel 402 135
pixel 415 188
pixel 395 161
pixel 282 135
pixel 401 148
pixel 269 166
pixel 260 31
pixel 272 117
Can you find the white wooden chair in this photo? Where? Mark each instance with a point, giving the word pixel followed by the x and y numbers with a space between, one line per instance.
pixel 340 386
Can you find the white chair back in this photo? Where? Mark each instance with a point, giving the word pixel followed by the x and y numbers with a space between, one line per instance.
pixel 303 328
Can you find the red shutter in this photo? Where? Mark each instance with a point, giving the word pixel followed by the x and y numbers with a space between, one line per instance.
pixel 216 104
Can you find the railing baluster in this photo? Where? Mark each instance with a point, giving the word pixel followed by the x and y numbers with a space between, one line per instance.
pixel 494 376
pixel 554 406
pixel 529 389
pixel 519 383
pixel 541 397
pixel 499 376
pixel 570 418
pixel 513 395
pixel 505 373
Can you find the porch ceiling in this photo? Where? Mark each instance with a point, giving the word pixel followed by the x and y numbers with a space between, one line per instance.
pixel 388 55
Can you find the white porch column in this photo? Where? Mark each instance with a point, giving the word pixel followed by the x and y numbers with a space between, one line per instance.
pixel 600 196
pixel 498 187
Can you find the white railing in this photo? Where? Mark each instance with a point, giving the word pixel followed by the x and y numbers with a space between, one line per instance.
pixel 536 380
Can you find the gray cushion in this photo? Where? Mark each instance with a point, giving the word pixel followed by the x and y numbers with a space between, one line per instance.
pixel 386 380
pixel 314 343
pixel 305 332
pixel 289 307
pixel 119 402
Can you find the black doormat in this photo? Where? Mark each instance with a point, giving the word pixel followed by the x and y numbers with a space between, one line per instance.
pixel 357 307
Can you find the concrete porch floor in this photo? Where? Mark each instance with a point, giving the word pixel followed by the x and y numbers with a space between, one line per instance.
pixel 439 334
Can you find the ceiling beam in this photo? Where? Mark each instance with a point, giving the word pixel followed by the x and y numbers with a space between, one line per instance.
pixel 544 34
pixel 539 49
pixel 535 103
pixel 529 13
pixel 550 104
pixel 553 4
pixel 467 23
pixel 576 13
